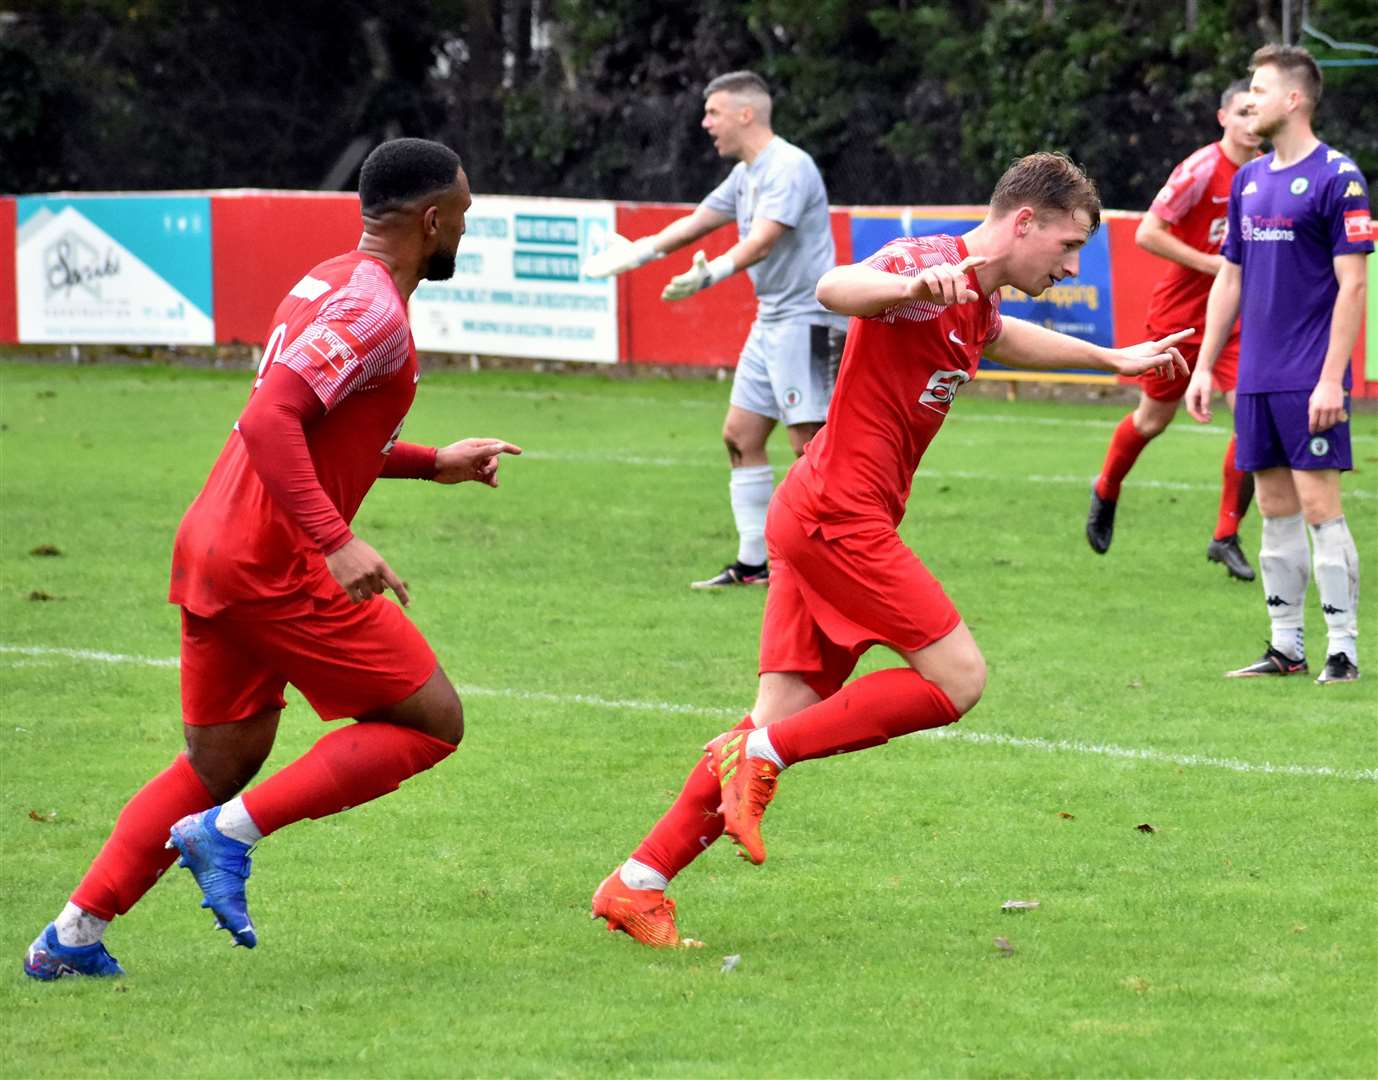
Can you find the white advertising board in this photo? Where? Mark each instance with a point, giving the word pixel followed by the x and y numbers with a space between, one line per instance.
pixel 517 290
pixel 106 269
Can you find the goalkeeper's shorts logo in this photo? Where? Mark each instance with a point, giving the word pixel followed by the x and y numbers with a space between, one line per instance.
pixel 1320 446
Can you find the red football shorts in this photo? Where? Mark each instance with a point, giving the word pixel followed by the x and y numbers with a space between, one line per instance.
pixel 831 600
pixel 347 659
pixel 1173 388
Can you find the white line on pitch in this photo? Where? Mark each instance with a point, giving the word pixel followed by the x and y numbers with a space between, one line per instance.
pixel 602 457
pixel 1125 753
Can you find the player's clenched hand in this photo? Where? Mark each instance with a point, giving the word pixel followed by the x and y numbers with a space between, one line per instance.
pixel 471 459
pixel 947 284
pixel 1326 407
pixel 1157 356
pixel 363 574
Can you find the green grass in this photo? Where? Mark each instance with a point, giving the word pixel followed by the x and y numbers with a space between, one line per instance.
pixel 443 931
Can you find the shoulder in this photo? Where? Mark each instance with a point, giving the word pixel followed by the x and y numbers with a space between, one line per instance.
pixel 1340 170
pixel 786 157
pixel 367 287
pixel 912 254
pixel 1201 161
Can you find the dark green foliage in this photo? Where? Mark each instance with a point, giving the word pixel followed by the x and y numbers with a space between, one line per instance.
pixel 898 101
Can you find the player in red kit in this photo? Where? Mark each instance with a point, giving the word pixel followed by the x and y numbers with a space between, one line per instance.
pixel 925 310
pixel 1186 226
pixel 275 588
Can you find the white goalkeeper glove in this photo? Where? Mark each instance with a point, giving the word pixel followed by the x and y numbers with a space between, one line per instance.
pixel 620 256
pixel 699 276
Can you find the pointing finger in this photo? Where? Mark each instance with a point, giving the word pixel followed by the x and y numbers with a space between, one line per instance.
pixel 1173 339
pixel 397 585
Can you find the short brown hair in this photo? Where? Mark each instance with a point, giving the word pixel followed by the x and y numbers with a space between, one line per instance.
pixel 1296 64
pixel 737 82
pixel 1047 181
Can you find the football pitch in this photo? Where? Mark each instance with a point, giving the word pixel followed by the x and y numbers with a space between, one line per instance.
pixel 1203 851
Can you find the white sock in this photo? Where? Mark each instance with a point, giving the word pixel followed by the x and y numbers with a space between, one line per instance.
pixel 758 745
pixel 1284 565
pixel 76 927
pixel 234 821
pixel 750 488
pixel 1336 567
pixel 637 875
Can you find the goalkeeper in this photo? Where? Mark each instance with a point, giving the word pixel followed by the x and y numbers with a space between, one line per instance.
pixel 785 244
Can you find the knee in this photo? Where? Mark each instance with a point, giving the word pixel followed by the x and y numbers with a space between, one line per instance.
pixel 1150 423
pixel 964 680
pixel 448 721
pixel 734 443
pixel 225 775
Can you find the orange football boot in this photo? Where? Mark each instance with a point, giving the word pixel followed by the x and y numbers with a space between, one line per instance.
pixel 748 785
pixel 644 914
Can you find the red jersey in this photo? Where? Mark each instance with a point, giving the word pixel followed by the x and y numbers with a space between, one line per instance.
pixel 900 372
pixel 1195 203
pixel 343 328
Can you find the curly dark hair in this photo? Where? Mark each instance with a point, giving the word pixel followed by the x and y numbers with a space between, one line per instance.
pixel 400 170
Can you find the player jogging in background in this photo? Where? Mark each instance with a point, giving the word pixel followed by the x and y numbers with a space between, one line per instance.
pixel 785 244
pixel 1186 226
pixel 925 310
pixel 276 589
pixel 1295 271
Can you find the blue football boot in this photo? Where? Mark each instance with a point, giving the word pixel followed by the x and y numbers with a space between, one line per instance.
pixel 221 866
pixel 49 959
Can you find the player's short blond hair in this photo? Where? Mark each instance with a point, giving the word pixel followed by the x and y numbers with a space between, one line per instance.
pixel 1047 181
pixel 1296 64
pixel 746 86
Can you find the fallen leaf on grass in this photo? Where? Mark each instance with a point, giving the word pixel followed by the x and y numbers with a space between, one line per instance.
pixel 1135 684
pixel 1066 816
pixel 39 596
pixel 45 551
pixel 45 819
pixel 1019 905
pixel 1299 928
pixel 1145 827
pixel 729 963
pixel 1003 944
pixel 691 943
pixel 1137 983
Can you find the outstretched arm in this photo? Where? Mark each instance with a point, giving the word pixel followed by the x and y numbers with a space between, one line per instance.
pixel 1026 345
pixel 748 251
pixel 622 254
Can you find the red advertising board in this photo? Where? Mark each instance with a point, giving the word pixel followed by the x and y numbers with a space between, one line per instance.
pixel 706 330
pixel 262 242
pixel 9 297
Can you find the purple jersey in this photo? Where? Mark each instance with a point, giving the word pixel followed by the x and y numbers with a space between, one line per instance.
pixel 1285 228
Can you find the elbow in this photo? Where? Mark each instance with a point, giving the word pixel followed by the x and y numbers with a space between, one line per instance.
pixel 826 292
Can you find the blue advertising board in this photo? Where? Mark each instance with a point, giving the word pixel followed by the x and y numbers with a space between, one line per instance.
pixel 1080 306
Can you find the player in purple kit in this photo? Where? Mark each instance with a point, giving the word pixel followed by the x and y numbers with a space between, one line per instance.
pixel 1299 232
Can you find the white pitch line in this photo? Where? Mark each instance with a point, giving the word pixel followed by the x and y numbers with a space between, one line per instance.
pixel 602 457
pixel 979 738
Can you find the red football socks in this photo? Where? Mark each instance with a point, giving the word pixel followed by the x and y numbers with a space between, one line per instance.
pixel 690 825
pixel 351 766
pixel 1125 447
pixel 1236 492
pixel 134 856
pixel 872 710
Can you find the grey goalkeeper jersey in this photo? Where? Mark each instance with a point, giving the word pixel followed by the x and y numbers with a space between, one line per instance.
pixel 784 185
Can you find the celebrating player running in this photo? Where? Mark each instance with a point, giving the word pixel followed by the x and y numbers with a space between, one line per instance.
pixel 925 310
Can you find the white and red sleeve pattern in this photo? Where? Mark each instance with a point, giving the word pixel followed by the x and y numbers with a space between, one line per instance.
pixel 1186 185
pixel 909 257
pixel 358 338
